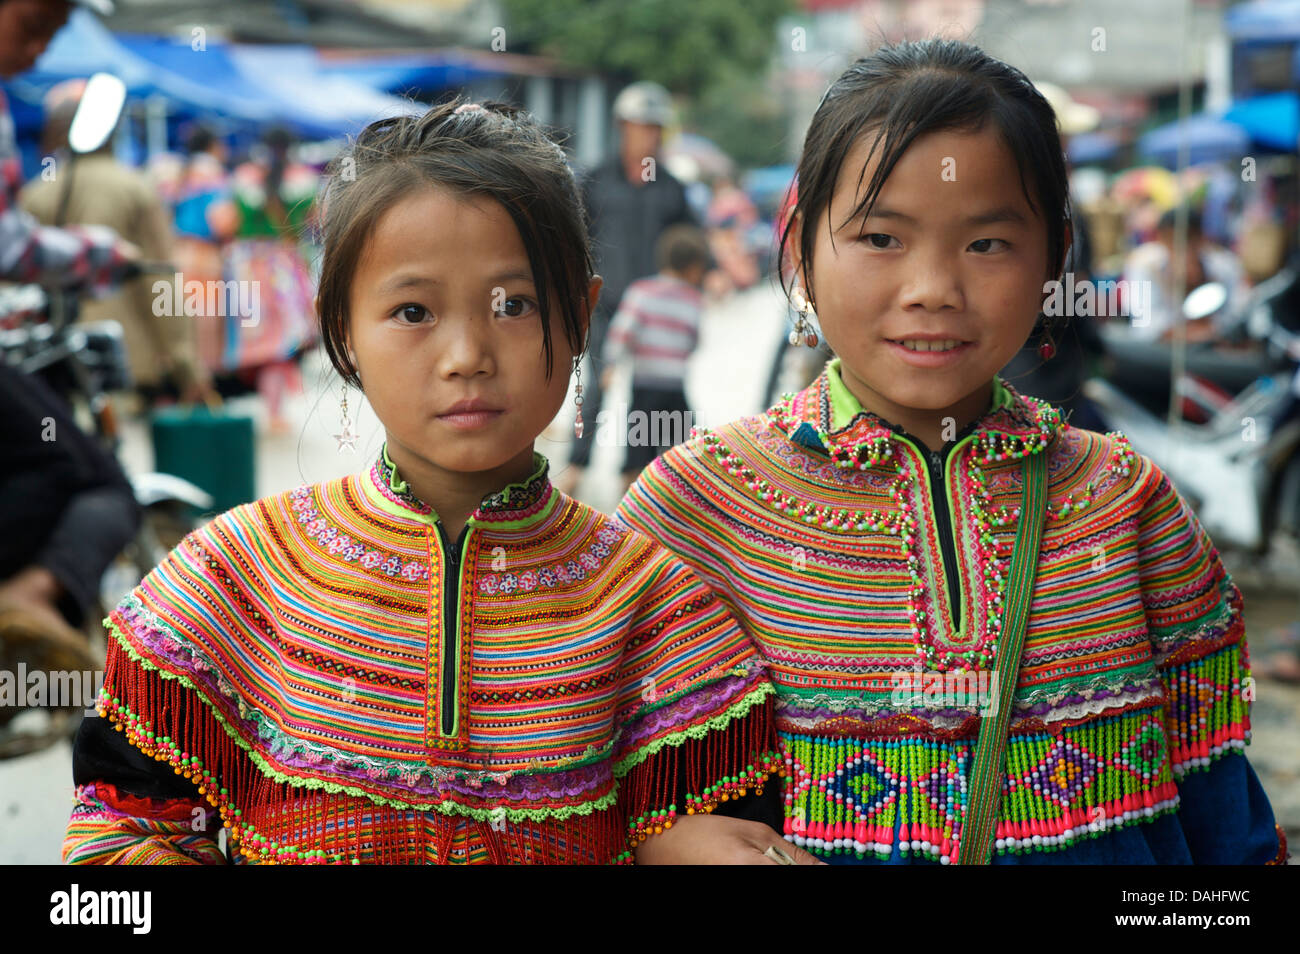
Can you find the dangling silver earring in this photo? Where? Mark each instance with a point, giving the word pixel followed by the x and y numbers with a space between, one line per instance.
pixel 577 397
pixel 802 332
pixel 346 438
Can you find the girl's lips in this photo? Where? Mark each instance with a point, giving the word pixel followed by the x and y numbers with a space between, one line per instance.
pixel 930 359
pixel 469 420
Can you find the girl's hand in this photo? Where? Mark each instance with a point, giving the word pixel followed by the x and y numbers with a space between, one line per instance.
pixel 717 840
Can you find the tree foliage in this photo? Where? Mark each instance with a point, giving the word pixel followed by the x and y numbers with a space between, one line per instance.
pixel 687 45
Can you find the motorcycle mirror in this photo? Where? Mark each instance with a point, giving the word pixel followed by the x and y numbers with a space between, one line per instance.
pixel 1205 300
pixel 97 113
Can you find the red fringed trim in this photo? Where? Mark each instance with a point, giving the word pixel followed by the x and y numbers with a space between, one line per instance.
pixel 723 765
pixel 158 809
pixel 1282 854
pixel 274 822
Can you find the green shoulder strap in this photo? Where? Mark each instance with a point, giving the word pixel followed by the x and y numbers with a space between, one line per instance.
pixel 985 785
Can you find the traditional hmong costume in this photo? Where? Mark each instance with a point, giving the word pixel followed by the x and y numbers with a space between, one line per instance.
pixel 874 573
pixel 344 684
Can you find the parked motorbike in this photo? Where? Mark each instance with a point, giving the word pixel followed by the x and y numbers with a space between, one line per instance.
pixel 84 363
pixel 1240 468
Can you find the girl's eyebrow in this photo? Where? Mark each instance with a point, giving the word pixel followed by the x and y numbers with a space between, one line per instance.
pixel 400 282
pixel 514 274
pixel 1004 213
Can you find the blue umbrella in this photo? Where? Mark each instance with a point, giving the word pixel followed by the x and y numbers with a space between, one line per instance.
pixel 1272 120
pixel 1086 148
pixel 1209 139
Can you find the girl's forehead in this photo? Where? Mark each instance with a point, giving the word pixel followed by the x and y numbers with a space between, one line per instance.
pixel 945 169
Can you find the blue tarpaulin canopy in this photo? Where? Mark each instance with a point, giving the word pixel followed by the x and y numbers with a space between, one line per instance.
pixel 1276 21
pixel 86 46
pixel 279 84
pixel 403 72
pixel 291 76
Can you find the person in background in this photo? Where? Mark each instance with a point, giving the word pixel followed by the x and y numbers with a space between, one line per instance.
pixel 273 199
pixel 630 198
pixel 204 218
pixel 65 508
pixel 731 215
pixel 97 189
pixel 1152 263
pixel 657 325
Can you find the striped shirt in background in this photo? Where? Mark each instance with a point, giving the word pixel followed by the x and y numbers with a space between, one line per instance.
pixel 658 325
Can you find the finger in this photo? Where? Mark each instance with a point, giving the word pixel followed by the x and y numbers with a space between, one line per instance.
pixel 802 857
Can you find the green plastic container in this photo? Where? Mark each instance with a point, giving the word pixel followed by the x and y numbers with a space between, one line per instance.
pixel 215 450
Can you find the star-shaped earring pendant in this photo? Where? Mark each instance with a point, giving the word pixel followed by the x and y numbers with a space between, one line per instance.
pixel 347 439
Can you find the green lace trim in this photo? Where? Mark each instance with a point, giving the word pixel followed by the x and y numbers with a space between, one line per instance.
pixel 736 710
pixel 266 730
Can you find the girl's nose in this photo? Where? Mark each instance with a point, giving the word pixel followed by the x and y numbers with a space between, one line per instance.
pixel 466 349
pixel 933 284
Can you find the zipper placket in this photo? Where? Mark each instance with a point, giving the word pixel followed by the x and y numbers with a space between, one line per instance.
pixel 936 466
pixel 453 566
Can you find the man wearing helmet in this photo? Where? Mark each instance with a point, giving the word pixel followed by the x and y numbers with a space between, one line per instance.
pixel 631 199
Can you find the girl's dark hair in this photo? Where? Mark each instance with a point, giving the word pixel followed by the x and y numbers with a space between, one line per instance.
pixel 908 90
pixel 499 152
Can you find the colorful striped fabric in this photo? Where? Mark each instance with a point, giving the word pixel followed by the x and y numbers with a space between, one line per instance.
pixel 291 659
pixel 1134 670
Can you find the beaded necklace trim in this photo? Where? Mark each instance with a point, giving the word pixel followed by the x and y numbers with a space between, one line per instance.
pixel 1015 426
pixel 513 502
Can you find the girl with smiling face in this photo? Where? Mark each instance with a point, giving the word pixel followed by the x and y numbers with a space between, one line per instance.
pixel 441 658
pixel 995 638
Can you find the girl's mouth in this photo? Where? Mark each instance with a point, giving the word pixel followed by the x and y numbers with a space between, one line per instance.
pixel 469 420
pixel 928 352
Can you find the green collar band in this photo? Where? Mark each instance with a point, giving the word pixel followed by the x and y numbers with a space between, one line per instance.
pixel 514 504
pixel 845 407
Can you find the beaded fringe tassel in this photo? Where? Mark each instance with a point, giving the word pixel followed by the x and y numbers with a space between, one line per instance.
pixel 274 822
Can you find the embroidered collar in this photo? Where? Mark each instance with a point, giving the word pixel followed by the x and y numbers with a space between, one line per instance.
pixel 827 417
pixel 523 501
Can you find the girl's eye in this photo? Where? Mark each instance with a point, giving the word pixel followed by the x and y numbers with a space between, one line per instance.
pixel 879 239
pixel 983 245
pixel 411 314
pixel 517 307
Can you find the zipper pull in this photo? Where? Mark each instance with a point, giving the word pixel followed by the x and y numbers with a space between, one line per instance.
pixel 936 463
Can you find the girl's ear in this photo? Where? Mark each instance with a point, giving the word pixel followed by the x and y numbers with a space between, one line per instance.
pixel 796 253
pixel 593 295
pixel 1065 250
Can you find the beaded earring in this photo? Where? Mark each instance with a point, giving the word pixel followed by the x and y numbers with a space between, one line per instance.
pixel 346 437
pixel 1047 347
pixel 802 332
pixel 577 397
